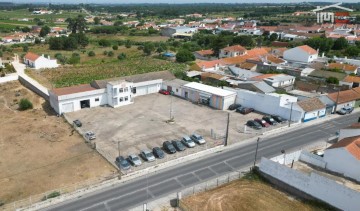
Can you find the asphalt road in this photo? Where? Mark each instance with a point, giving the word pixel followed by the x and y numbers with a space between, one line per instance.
pixel 135 192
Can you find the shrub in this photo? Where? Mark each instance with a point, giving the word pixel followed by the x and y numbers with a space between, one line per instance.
pixel 104 43
pixel 25 104
pixel 51 195
pixel 184 56
pixel 105 53
pixel 122 56
pixel 115 47
pixel 332 80
pixel 110 54
pixel 91 53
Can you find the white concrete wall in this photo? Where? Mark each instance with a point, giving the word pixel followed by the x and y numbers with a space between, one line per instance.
pixel 42 62
pixel 228 100
pixel 119 94
pixel 147 87
pixel 9 77
pixel 298 55
pixel 348 165
pixel 344 133
pixel 315 185
pixel 312 159
pixel 342 105
pixel 93 103
pixel 314 114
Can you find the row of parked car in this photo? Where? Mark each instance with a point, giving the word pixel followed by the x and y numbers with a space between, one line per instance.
pixel 266 121
pixel 345 110
pixel 170 147
pixel 240 109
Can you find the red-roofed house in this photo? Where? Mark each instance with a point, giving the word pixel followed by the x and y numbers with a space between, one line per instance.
pixel 37 62
pixel 302 54
pixel 232 51
pixel 343 157
pixel 208 66
pixel 204 54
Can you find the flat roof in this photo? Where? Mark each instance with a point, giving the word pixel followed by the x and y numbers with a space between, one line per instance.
pixel 210 89
pixel 73 89
pixel 279 78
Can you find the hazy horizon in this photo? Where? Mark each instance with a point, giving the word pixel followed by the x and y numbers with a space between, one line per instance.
pixel 166 1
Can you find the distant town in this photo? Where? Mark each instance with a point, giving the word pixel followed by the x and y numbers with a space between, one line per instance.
pixel 180 106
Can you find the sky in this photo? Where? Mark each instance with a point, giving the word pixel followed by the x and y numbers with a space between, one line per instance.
pixel 169 1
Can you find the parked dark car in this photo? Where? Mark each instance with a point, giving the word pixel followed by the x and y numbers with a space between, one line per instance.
pixel 77 123
pixel 262 122
pixel 345 110
pixel 122 163
pixel 178 145
pixel 269 120
pixel 169 147
pixel 253 124
pixel 159 153
pixel 244 110
pixel 234 106
pixel 278 118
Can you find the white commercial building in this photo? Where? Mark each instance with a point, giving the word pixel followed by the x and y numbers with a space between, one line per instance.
pixel 301 54
pixel 113 92
pixel 38 62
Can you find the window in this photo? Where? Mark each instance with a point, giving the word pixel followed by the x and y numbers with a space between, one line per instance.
pixel 121 90
pixel 177 90
pixel 126 98
pixel 96 99
pixel 120 99
pixel 126 89
pixel 134 90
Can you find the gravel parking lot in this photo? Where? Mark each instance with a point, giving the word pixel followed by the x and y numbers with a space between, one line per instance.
pixel 143 125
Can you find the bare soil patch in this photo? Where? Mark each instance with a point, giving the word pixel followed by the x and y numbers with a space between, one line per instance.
pixel 39 151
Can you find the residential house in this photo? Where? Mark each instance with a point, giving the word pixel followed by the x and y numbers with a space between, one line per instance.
pixel 255 86
pixel 243 73
pixel 209 66
pixel 313 108
pixel 351 81
pixel 213 78
pixel 174 86
pixel 347 68
pixel 208 95
pixel 344 98
pixel 343 157
pixel 303 95
pixel 204 54
pixel 301 54
pixel 113 92
pixel 281 81
pixel 35 61
pixel 180 31
pixel 232 51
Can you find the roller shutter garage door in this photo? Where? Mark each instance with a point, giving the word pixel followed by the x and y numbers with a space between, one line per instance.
pixel 152 89
pixel 67 107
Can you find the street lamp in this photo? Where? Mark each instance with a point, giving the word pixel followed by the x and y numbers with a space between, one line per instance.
pixel 291 108
pixel 283 152
pixel 256 151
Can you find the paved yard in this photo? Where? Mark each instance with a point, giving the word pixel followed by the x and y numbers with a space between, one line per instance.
pixel 143 125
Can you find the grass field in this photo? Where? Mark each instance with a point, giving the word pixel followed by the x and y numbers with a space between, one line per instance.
pixel 245 194
pixel 24 13
pixel 132 38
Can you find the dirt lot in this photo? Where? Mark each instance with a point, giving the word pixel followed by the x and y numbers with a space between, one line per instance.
pixel 40 151
pixel 143 125
pixel 244 195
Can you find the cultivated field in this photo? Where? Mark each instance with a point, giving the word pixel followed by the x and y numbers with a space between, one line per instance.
pixel 244 195
pixel 40 151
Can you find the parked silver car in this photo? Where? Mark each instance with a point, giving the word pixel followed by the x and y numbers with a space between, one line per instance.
pixel 134 160
pixel 197 138
pixel 90 135
pixel 187 141
pixel 147 155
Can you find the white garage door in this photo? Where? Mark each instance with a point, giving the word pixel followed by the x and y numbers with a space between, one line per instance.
pixel 67 107
pixel 141 90
pixel 152 89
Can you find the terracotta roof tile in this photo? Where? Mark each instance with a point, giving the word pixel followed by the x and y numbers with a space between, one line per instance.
pixel 308 49
pixel 246 65
pixel 311 104
pixel 344 96
pixel 235 48
pixel 205 52
pixel 261 77
pixel 351 144
pixel 31 56
pixel 210 64
pixel 345 67
pixel 235 60
pixel 352 79
pixel 211 75
pixel 274 59
pixel 72 89
pixel 258 52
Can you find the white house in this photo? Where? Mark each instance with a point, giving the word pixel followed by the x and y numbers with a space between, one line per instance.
pixel 232 51
pixel 113 92
pixel 313 109
pixel 280 81
pixel 302 54
pixel 174 86
pixel 343 157
pixel 37 62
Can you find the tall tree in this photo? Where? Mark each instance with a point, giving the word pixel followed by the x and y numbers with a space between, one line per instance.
pixel 340 43
pixel 44 31
pixel 77 24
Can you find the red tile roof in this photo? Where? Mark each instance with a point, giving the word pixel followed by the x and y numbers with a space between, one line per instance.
pixel 345 67
pixel 258 52
pixel 72 89
pixel 261 77
pixel 311 104
pixel 235 48
pixel 352 79
pixel 344 96
pixel 205 52
pixel 274 59
pixel 31 56
pixel 308 49
pixel 351 144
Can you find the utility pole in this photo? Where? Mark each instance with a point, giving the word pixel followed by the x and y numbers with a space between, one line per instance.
pixel 256 151
pixel 119 147
pixel 171 106
pixel 337 99
pixel 227 130
pixel 291 108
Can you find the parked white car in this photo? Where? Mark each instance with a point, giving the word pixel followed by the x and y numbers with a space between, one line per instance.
pixel 147 155
pixel 197 138
pixel 135 160
pixel 187 141
pixel 90 135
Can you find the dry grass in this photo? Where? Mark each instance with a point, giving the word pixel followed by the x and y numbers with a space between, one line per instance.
pixel 244 195
pixel 39 151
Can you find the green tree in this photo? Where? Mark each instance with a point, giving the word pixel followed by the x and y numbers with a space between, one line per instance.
pixel 104 43
pixel 184 56
pixel 91 53
pixel 77 24
pixel 340 44
pixel 323 44
pixel 244 40
pixel 25 48
pixel 115 47
pixel 81 39
pixel 37 41
pixel 25 104
pixel 74 59
pixel 332 80
pixel 149 47
pixel 273 37
pixel 352 51
pixel 122 56
pixel 44 31
pixel 128 44
pixel 97 20
pixel 110 54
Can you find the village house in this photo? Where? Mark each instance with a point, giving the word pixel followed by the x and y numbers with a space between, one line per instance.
pixel 232 51
pixel 35 61
pixel 347 68
pixel 350 81
pixel 204 54
pixel 301 54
